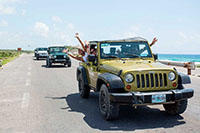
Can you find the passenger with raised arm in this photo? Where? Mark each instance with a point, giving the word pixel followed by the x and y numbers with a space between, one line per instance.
pixel 83 52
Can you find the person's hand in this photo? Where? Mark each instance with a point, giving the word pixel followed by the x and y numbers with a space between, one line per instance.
pixel 65 51
pixel 76 35
pixel 154 41
pixel 86 42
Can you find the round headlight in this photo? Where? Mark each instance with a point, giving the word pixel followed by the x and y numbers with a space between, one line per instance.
pixel 129 78
pixel 171 76
pixel 54 56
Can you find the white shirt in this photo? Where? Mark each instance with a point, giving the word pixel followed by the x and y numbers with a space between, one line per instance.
pixel 85 57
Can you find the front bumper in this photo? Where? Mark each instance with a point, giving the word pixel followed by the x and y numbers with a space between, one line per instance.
pixel 145 98
pixel 41 55
pixel 60 61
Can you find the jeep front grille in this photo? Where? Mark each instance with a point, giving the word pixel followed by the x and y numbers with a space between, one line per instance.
pixel 59 57
pixel 151 80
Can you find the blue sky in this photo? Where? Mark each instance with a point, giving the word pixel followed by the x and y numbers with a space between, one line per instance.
pixel 34 23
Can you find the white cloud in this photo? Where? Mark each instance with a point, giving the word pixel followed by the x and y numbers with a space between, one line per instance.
pixel 182 35
pixel 13 40
pixel 7 10
pixel 130 34
pixel 135 28
pixel 57 19
pixel 3 23
pixel 8 7
pixel 23 12
pixel 71 26
pixel 42 29
pixel 9 2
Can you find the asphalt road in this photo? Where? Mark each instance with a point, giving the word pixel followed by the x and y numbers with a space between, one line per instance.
pixel 35 99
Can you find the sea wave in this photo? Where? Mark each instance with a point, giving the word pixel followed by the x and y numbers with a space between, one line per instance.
pixel 180 58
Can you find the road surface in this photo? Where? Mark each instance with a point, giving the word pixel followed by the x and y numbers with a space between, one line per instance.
pixel 36 99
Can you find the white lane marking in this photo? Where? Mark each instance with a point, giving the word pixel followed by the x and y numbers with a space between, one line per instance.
pixel 29 68
pixel 29 73
pixel 28 82
pixel 25 100
pixel 10 100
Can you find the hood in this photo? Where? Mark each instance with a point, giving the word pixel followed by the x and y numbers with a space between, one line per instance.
pixel 40 52
pixel 131 65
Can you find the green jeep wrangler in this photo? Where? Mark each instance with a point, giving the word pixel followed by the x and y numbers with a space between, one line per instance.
pixel 125 72
pixel 56 55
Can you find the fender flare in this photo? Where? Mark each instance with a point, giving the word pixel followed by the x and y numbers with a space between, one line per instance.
pixel 183 78
pixel 81 70
pixel 114 81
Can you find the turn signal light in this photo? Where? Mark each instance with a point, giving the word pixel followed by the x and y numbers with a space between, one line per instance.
pixel 174 84
pixel 108 84
pixel 128 87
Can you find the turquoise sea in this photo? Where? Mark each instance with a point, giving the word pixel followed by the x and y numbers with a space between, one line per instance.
pixel 180 57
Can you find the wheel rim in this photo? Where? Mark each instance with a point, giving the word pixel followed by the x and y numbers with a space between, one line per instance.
pixel 103 102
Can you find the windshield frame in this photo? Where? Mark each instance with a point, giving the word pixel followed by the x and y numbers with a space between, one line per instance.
pixel 133 57
pixel 56 51
pixel 42 49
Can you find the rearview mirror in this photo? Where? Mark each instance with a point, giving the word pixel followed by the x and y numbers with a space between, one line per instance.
pixel 155 56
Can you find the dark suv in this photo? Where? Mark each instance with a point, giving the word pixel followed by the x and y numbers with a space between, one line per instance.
pixel 56 55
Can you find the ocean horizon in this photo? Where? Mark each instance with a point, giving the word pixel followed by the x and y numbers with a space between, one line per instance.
pixel 180 57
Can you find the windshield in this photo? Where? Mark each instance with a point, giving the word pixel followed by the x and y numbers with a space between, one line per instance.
pixel 42 49
pixel 124 50
pixel 56 49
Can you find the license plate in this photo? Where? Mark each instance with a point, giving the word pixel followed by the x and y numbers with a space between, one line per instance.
pixel 158 98
pixel 59 59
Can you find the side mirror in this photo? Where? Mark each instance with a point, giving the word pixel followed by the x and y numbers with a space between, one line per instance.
pixel 48 51
pixel 155 56
pixel 91 58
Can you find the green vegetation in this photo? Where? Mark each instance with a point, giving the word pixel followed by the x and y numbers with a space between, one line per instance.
pixel 198 66
pixel 9 55
pixel 71 47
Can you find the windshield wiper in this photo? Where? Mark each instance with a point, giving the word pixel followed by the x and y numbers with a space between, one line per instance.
pixel 135 55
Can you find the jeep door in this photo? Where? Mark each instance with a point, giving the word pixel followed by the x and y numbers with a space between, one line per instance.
pixel 93 74
pixel 93 67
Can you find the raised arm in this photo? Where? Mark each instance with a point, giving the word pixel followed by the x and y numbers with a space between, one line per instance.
pixel 77 58
pixel 77 36
pixel 154 41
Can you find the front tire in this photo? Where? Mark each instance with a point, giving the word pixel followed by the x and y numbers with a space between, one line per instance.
pixel 69 64
pixel 109 110
pixel 84 90
pixel 176 108
pixel 48 63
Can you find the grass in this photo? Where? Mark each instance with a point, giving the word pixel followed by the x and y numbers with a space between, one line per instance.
pixel 71 47
pixel 9 55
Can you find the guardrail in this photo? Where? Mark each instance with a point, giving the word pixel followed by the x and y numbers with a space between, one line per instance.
pixel 189 65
